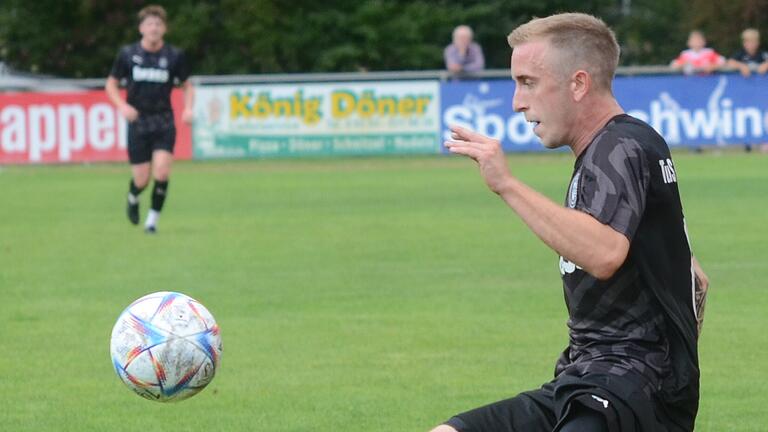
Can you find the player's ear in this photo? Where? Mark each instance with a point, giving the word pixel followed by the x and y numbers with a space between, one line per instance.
pixel 581 83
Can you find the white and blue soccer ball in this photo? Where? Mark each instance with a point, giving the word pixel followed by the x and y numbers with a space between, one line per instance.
pixel 166 346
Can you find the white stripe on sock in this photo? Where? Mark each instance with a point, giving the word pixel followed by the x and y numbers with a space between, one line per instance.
pixel 152 217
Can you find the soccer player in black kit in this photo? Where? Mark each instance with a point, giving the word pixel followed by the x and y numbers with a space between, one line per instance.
pixel 150 68
pixel 633 290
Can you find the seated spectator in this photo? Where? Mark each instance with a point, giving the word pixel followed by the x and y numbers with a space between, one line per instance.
pixel 698 59
pixel 750 58
pixel 463 55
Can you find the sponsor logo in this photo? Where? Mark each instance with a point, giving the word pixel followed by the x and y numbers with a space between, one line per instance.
pixel 668 171
pixel 601 400
pixel 573 191
pixel 720 121
pixel 78 126
pixel 344 104
pixel 150 74
pixel 487 113
pixel 567 267
pixel 38 130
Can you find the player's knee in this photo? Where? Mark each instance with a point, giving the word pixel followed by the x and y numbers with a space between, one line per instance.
pixel 161 176
pixel 161 173
pixel 141 182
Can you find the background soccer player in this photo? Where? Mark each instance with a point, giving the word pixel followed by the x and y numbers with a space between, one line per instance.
pixel 627 269
pixel 151 68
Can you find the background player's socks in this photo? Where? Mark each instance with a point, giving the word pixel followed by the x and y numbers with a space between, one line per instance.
pixel 132 208
pixel 150 225
pixel 159 192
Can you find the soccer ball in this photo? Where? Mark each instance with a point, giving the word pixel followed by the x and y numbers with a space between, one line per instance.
pixel 166 346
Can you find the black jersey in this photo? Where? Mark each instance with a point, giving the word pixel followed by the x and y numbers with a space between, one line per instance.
pixel 752 60
pixel 641 322
pixel 150 76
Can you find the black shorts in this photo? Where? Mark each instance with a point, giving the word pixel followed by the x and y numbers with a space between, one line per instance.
pixel 148 133
pixel 623 403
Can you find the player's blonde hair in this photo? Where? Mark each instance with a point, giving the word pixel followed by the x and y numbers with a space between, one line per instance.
pixel 152 10
pixel 750 33
pixel 582 42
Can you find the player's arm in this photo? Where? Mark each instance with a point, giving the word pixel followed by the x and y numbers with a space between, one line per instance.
pixel 578 237
pixel 763 67
pixel 189 101
pixel 743 68
pixel 452 61
pixel 112 89
pixel 678 63
pixel 479 59
pixel 701 288
pixel 715 63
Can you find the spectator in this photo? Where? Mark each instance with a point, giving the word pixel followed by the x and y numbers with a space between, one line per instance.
pixel 750 58
pixel 463 55
pixel 698 59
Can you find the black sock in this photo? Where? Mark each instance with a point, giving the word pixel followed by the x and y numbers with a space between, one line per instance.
pixel 135 190
pixel 159 191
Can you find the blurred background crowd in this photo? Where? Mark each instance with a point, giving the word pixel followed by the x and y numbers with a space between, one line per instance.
pixel 78 38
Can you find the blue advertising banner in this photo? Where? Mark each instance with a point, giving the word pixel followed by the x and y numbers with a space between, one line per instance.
pixel 687 111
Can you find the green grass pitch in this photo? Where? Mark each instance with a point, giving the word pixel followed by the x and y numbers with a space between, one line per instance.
pixel 353 295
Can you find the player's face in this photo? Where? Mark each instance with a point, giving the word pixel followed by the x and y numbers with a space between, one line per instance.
pixel 751 44
pixel 696 41
pixel 462 39
pixel 152 29
pixel 541 93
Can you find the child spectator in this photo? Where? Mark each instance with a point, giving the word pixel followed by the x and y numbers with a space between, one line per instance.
pixel 698 59
pixel 750 58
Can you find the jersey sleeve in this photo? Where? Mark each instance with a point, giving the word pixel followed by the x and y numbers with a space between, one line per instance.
pixel 614 183
pixel 680 59
pixel 182 69
pixel 716 59
pixel 120 66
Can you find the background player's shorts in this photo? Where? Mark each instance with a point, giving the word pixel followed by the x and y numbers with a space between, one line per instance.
pixel 148 133
pixel 623 404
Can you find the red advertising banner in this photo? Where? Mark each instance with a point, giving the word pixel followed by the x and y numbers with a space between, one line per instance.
pixel 80 126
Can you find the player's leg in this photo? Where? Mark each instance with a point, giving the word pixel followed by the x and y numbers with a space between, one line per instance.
pixel 527 412
pixel 161 170
pixel 139 155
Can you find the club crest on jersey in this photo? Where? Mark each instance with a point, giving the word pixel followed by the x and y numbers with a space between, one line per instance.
pixel 137 59
pixel 668 171
pixel 573 190
pixel 150 74
pixel 163 62
pixel 567 267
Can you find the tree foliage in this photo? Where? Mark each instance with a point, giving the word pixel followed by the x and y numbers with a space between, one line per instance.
pixel 79 38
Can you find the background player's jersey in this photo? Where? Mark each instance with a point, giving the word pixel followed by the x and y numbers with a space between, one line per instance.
pixel 150 76
pixel 641 322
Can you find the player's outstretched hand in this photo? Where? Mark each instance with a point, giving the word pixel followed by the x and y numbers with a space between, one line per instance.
pixel 485 151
